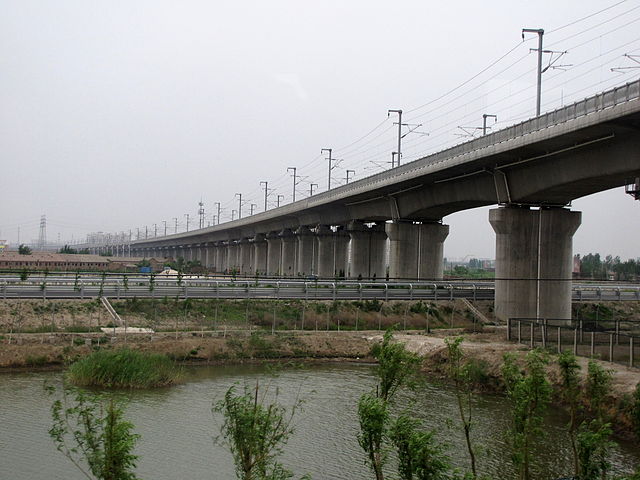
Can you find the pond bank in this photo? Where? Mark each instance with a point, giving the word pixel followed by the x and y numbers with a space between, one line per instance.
pixel 484 349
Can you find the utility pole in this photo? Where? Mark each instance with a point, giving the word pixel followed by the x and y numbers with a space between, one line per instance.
pixel 146 232
pixel 239 195
pixel 201 212
pixel 540 33
pixel 165 227
pixel 253 205
pixel 266 190
pixel 393 159
pixel 176 220
pixel 155 229
pixel 330 150
pixel 399 112
pixel 217 204
pixel 484 122
pixel 311 189
pixel 233 215
pixel 213 219
pixel 187 215
pixel 280 197
pixel 294 182
pixel 137 233
pixel 348 172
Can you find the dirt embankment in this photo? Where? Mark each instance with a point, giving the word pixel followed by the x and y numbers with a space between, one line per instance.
pixel 28 351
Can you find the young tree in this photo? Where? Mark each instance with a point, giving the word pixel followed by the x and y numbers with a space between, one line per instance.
pixel 93 435
pixel 374 416
pixel 593 438
pixel 419 455
pixel 24 249
pixel 24 274
pixel 417 450
pixel 569 372
pixel 529 393
pixel 255 433
pixel 396 366
pixel 462 384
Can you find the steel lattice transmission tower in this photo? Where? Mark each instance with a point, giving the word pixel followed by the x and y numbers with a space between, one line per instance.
pixel 42 236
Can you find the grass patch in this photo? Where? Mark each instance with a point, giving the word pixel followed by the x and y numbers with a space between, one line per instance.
pixel 124 368
pixel 36 361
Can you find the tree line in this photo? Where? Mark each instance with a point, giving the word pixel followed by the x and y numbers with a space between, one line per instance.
pixel 593 266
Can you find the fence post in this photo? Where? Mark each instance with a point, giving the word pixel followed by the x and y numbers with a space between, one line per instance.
pixel 559 340
pixel 617 330
pixel 592 341
pixel 610 348
pixel 543 330
pixel 575 341
pixel 531 331
pixel 581 333
pixel 508 329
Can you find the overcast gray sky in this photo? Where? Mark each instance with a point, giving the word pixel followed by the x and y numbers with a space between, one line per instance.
pixel 116 115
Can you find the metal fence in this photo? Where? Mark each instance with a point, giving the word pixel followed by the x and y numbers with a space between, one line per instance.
pixel 560 335
pixel 150 286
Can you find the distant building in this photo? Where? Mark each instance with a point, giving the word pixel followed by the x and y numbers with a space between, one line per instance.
pixel 130 264
pixel 72 262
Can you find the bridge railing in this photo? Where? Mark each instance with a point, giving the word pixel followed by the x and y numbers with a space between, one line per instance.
pixel 580 338
pixel 610 98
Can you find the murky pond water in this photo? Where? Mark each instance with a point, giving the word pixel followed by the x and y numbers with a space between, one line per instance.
pixel 178 428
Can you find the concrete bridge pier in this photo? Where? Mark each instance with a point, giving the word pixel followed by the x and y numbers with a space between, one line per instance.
pixel 199 253
pixel 534 259
pixel 306 251
pixel 289 247
pixel 415 250
pixel 212 251
pixel 331 251
pixel 204 254
pixel 221 257
pixel 274 250
pixel 325 252
pixel 232 255
pixel 341 252
pixel 260 254
pixel 245 256
pixel 367 248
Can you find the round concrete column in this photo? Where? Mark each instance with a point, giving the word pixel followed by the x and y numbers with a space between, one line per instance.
pixel 404 246
pixel 368 247
pixel 325 252
pixel 274 251
pixel 305 253
pixel 430 251
pixel 534 254
pixel 341 251
pixel 245 256
pixel 289 244
pixel 221 257
pixel 232 255
pixel 260 254
pixel 556 261
pixel 210 256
